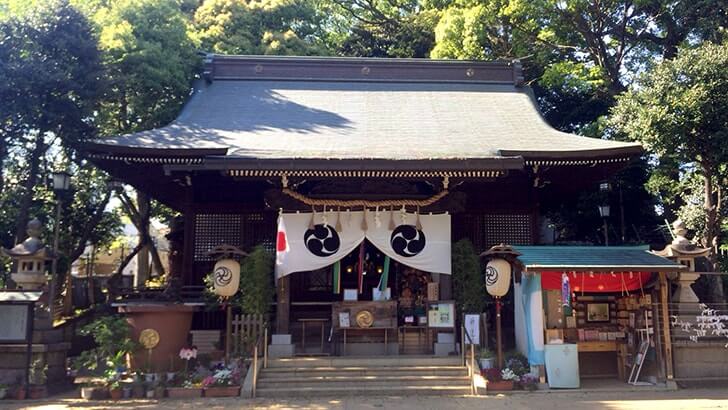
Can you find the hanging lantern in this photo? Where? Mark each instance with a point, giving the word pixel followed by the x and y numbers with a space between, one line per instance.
pixel 226 277
pixel 498 277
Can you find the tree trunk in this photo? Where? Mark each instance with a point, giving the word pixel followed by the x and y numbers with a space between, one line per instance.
pixel 26 199
pixel 143 227
pixel 711 234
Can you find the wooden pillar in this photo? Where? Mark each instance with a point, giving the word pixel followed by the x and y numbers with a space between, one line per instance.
pixel 188 241
pixel 665 313
pixel 283 306
pixel 499 335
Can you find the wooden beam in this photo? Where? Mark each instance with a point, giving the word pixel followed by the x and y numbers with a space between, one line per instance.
pixel 666 326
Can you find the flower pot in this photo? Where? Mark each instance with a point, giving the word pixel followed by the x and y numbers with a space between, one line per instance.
pixel 116 393
pixel 19 393
pixel 222 391
pixel 37 392
pixel 183 392
pixel 137 391
pixel 159 392
pixel 503 385
pixel 3 393
pixel 171 320
pixel 149 394
pixel 127 392
pixel 94 393
pixel 488 363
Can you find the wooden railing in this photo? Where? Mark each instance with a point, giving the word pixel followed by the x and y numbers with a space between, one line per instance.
pixel 470 360
pixel 245 331
pixel 261 344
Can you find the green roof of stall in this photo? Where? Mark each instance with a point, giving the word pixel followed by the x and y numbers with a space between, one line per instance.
pixel 594 259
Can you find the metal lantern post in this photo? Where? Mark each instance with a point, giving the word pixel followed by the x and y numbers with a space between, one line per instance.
pixel 501 259
pixel 61 184
pixel 604 211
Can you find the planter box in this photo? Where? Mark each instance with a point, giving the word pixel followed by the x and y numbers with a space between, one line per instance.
pixel 504 385
pixel 183 392
pixel 94 393
pixel 222 391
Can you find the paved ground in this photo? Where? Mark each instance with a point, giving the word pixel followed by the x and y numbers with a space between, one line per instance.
pixel 662 400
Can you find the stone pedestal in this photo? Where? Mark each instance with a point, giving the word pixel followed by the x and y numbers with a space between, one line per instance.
pixel 281 346
pixel 684 295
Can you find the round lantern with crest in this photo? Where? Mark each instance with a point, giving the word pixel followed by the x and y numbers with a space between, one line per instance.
pixel 498 271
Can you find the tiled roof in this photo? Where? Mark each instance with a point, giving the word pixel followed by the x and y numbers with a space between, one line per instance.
pixel 303 118
pixel 593 258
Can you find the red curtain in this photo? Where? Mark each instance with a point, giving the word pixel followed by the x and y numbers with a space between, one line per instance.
pixel 604 282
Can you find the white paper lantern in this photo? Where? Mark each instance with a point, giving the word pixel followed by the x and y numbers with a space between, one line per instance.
pixel 226 277
pixel 498 277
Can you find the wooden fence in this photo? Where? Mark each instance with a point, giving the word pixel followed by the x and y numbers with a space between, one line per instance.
pixel 245 331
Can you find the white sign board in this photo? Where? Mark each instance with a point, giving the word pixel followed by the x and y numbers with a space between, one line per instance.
pixel 15 323
pixel 472 328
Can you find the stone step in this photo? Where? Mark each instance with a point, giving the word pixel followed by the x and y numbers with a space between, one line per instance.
pixel 360 381
pixel 374 361
pixel 326 390
pixel 305 372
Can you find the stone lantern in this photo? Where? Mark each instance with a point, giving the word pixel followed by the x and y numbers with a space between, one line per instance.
pixel 29 258
pixel 685 253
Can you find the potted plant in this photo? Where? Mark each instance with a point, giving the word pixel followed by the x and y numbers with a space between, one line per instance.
pixel 223 382
pixel 184 384
pixel 496 380
pixel 115 390
pixel 137 387
pixel 19 392
pixel 486 359
pixel 528 382
pixel 38 378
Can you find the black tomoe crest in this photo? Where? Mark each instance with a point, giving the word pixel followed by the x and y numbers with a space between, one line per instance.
pixel 322 240
pixel 491 276
pixel 407 240
pixel 222 276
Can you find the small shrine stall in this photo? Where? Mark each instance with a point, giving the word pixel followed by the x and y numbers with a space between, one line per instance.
pixel 594 312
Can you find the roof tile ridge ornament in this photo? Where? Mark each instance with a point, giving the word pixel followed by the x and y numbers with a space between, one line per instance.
pixel 518 79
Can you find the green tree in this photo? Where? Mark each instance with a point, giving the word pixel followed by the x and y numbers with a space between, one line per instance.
pixel 256 282
pixel 467 278
pixel 281 27
pixel 50 75
pixel 679 110
pixel 380 28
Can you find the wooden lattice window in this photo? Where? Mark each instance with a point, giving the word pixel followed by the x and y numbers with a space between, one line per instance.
pixel 212 230
pixel 258 230
pixel 511 229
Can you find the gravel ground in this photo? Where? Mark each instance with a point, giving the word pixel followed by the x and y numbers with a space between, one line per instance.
pixel 716 398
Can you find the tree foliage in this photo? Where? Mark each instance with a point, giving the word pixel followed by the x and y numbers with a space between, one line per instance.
pixel 282 27
pixel 468 284
pixel 679 111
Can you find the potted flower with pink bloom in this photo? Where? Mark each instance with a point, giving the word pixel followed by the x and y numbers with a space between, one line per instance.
pixel 184 385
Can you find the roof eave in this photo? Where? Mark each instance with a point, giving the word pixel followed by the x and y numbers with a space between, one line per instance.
pixel 604 268
pixel 354 164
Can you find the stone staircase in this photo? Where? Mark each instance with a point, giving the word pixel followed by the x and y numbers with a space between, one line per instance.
pixel 381 375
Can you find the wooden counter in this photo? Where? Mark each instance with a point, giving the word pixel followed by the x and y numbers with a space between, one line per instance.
pixel 597 346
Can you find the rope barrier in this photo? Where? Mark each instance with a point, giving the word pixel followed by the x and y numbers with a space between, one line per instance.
pixel 365 203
